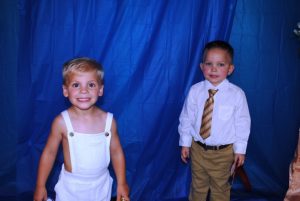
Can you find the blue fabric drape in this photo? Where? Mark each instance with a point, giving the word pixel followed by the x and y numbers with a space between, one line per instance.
pixel 267 68
pixel 150 51
pixel 8 78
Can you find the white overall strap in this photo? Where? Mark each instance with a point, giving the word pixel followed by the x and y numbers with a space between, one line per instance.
pixel 70 136
pixel 66 117
pixel 109 119
pixel 108 135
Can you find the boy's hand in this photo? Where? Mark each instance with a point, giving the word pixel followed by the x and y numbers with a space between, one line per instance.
pixel 185 154
pixel 239 159
pixel 123 193
pixel 40 194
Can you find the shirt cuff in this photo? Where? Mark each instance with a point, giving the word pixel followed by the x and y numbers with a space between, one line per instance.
pixel 185 141
pixel 239 148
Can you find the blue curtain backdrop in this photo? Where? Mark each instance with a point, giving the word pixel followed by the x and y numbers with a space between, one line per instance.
pixel 267 65
pixel 267 68
pixel 150 51
pixel 8 79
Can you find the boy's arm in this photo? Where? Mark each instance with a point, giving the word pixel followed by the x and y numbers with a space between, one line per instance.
pixel 118 161
pixel 242 125
pixel 186 119
pixel 47 158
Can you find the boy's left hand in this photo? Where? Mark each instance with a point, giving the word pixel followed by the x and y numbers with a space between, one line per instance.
pixel 123 193
pixel 239 159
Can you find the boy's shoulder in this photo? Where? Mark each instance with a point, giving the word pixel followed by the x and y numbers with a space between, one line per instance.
pixel 234 87
pixel 198 85
pixel 60 116
pixel 58 122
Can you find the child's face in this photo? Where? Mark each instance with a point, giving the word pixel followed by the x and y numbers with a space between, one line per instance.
pixel 83 89
pixel 216 66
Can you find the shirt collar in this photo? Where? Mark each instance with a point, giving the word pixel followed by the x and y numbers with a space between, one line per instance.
pixel 221 86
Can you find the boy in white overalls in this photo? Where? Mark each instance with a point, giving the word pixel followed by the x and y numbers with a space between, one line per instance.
pixel 89 138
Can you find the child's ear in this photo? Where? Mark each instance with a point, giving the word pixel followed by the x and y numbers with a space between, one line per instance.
pixel 201 66
pixel 100 93
pixel 65 91
pixel 231 69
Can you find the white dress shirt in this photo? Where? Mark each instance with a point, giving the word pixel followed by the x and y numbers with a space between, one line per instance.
pixel 230 118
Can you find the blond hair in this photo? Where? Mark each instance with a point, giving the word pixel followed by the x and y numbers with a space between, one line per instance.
pixel 82 64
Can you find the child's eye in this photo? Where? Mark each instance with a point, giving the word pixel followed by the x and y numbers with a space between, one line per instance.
pixel 221 64
pixel 208 64
pixel 92 85
pixel 75 85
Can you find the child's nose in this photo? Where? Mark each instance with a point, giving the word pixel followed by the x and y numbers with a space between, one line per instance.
pixel 83 90
pixel 214 68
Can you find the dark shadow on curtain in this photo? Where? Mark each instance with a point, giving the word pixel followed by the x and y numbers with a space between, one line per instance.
pixel 8 78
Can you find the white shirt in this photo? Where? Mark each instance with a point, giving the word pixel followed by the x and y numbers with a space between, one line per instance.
pixel 230 118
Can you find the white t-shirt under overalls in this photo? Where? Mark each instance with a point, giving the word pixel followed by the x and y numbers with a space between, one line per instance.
pixel 90 157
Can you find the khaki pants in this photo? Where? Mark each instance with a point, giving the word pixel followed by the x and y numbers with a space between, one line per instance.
pixel 210 171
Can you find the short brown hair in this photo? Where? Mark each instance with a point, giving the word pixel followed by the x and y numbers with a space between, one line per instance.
pixel 218 44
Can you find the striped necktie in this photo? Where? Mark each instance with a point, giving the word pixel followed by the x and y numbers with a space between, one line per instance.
pixel 207 115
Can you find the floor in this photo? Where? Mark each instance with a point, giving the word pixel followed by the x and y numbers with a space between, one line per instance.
pixel 236 196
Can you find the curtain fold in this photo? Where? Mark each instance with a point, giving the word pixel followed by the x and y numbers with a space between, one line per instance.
pixel 150 51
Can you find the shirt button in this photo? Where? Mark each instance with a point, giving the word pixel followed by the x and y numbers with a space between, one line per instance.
pixel 71 134
pixel 106 134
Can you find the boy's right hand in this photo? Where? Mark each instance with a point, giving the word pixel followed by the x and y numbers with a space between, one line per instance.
pixel 40 194
pixel 123 192
pixel 185 154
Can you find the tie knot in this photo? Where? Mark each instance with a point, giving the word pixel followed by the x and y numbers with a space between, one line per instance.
pixel 212 92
